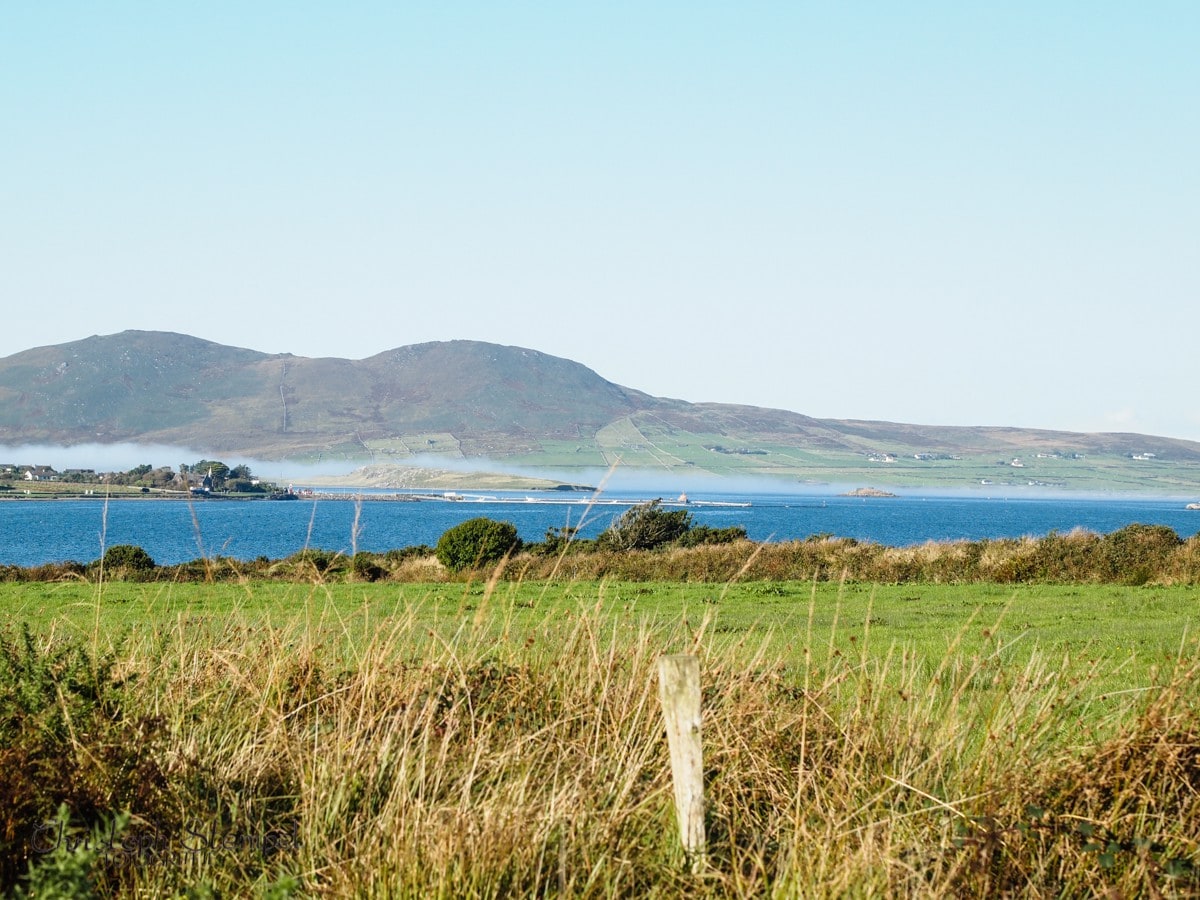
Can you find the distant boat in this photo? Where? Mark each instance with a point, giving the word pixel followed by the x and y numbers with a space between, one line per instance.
pixel 1192 506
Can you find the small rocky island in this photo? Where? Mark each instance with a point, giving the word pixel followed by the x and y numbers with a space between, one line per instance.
pixel 868 492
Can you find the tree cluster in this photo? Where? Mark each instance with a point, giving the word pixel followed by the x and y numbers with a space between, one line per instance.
pixel 224 478
pixel 237 479
pixel 648 526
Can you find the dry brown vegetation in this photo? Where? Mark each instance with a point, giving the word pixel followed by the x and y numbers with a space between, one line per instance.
pixel 1137 554
pixel 506 763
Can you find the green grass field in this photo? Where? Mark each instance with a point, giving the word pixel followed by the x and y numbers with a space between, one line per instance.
pixel 1117 633
pixel 504 739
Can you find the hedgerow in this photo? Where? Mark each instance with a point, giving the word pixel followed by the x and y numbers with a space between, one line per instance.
pixel 1134 555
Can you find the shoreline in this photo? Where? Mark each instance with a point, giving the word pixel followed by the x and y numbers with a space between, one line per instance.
pixel 563 499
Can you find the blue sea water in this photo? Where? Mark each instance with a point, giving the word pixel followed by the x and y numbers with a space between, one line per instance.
pixel 36 532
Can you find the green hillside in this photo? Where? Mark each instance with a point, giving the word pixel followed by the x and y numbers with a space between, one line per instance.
pixel 473 400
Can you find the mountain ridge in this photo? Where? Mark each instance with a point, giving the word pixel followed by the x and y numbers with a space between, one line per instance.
pixel 473 399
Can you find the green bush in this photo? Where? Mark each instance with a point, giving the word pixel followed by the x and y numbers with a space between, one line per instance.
pixel 476 542
pixel 1067 557
pixel 364 567
pixel 561 540
pixel 68 735
pixel 127 559
pixel 323 562
pixel 646 526
pixel 68 872
pixel 398 555
pixel 706 534
pixel 1136 553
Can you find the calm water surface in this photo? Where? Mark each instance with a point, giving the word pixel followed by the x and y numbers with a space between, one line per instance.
pixel 35 532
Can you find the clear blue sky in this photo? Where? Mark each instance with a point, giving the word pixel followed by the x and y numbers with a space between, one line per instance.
pixel 942 213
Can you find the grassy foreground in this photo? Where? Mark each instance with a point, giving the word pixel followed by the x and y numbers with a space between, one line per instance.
pixel 505 739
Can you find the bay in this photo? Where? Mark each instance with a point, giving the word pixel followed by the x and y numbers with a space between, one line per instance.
pixel 172 531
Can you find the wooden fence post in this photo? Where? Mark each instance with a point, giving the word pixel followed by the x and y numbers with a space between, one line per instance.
pixel 679 692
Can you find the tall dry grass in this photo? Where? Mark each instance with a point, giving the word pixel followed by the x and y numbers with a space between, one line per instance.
pixel 487 761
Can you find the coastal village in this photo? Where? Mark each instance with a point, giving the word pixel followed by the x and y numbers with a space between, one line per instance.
pixel 200 478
